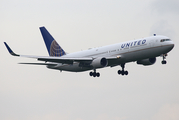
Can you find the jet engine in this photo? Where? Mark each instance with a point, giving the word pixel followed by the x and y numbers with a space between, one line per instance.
pixel 146 62
pixel 99 62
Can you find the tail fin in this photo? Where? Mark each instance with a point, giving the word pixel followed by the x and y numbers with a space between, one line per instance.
pixel 52 46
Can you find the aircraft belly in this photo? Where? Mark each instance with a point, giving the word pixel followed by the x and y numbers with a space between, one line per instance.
pixel 116 62
pixel 144 54
pixel 72 68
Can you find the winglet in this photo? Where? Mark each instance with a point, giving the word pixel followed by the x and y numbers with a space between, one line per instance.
pixel 10 51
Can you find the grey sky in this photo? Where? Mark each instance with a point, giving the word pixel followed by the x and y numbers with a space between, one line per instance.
pixel 35 92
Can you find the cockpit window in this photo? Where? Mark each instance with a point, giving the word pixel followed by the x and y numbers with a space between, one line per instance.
pixel 163 40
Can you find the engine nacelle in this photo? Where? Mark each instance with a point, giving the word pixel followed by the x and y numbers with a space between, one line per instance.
pixel 99 62
pixel 146 62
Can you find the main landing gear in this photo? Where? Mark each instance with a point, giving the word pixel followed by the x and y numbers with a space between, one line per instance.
pixel 164 57
pixel 94 74
pixel 122 72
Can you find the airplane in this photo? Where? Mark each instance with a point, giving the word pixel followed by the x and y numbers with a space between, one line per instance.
pixel 142 51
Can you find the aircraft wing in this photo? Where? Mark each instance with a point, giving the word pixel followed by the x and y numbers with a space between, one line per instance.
pixel 49 64
pixel 63 60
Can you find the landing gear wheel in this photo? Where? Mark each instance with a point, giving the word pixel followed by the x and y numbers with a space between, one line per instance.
pixel 94 74
pixel 97 74
pixel 122 72
pixel 126 72
pixel 119 72
pixel 91 73
pixel 164 62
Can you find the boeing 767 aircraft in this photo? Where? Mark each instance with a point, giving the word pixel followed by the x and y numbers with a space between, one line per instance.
pixel 144 51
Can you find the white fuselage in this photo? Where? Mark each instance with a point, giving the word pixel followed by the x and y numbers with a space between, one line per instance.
pixel 129 51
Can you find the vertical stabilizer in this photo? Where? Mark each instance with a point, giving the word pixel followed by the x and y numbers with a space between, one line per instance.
pixel 52 46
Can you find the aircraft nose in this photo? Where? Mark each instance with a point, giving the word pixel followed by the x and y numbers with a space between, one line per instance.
pixel 172 44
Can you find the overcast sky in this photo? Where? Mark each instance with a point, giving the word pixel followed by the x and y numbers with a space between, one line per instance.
pixel 38 93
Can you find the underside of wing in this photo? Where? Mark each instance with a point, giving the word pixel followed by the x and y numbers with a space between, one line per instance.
pixel 49 64
pixel 64 60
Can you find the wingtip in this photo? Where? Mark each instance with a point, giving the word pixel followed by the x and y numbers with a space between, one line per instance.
pixel 10 50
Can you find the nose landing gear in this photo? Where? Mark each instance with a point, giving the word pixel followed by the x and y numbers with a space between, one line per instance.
pixel 122 72
pixel 164 57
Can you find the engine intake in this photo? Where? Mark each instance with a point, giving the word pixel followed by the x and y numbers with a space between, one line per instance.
pixel 146 62
pixel 99 63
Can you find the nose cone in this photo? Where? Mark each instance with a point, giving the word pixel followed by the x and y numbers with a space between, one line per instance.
pixel 172 44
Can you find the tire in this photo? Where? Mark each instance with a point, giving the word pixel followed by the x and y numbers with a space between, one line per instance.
pixel 97 74
pixel 126 72
pixel 119 72
pixel 91 73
